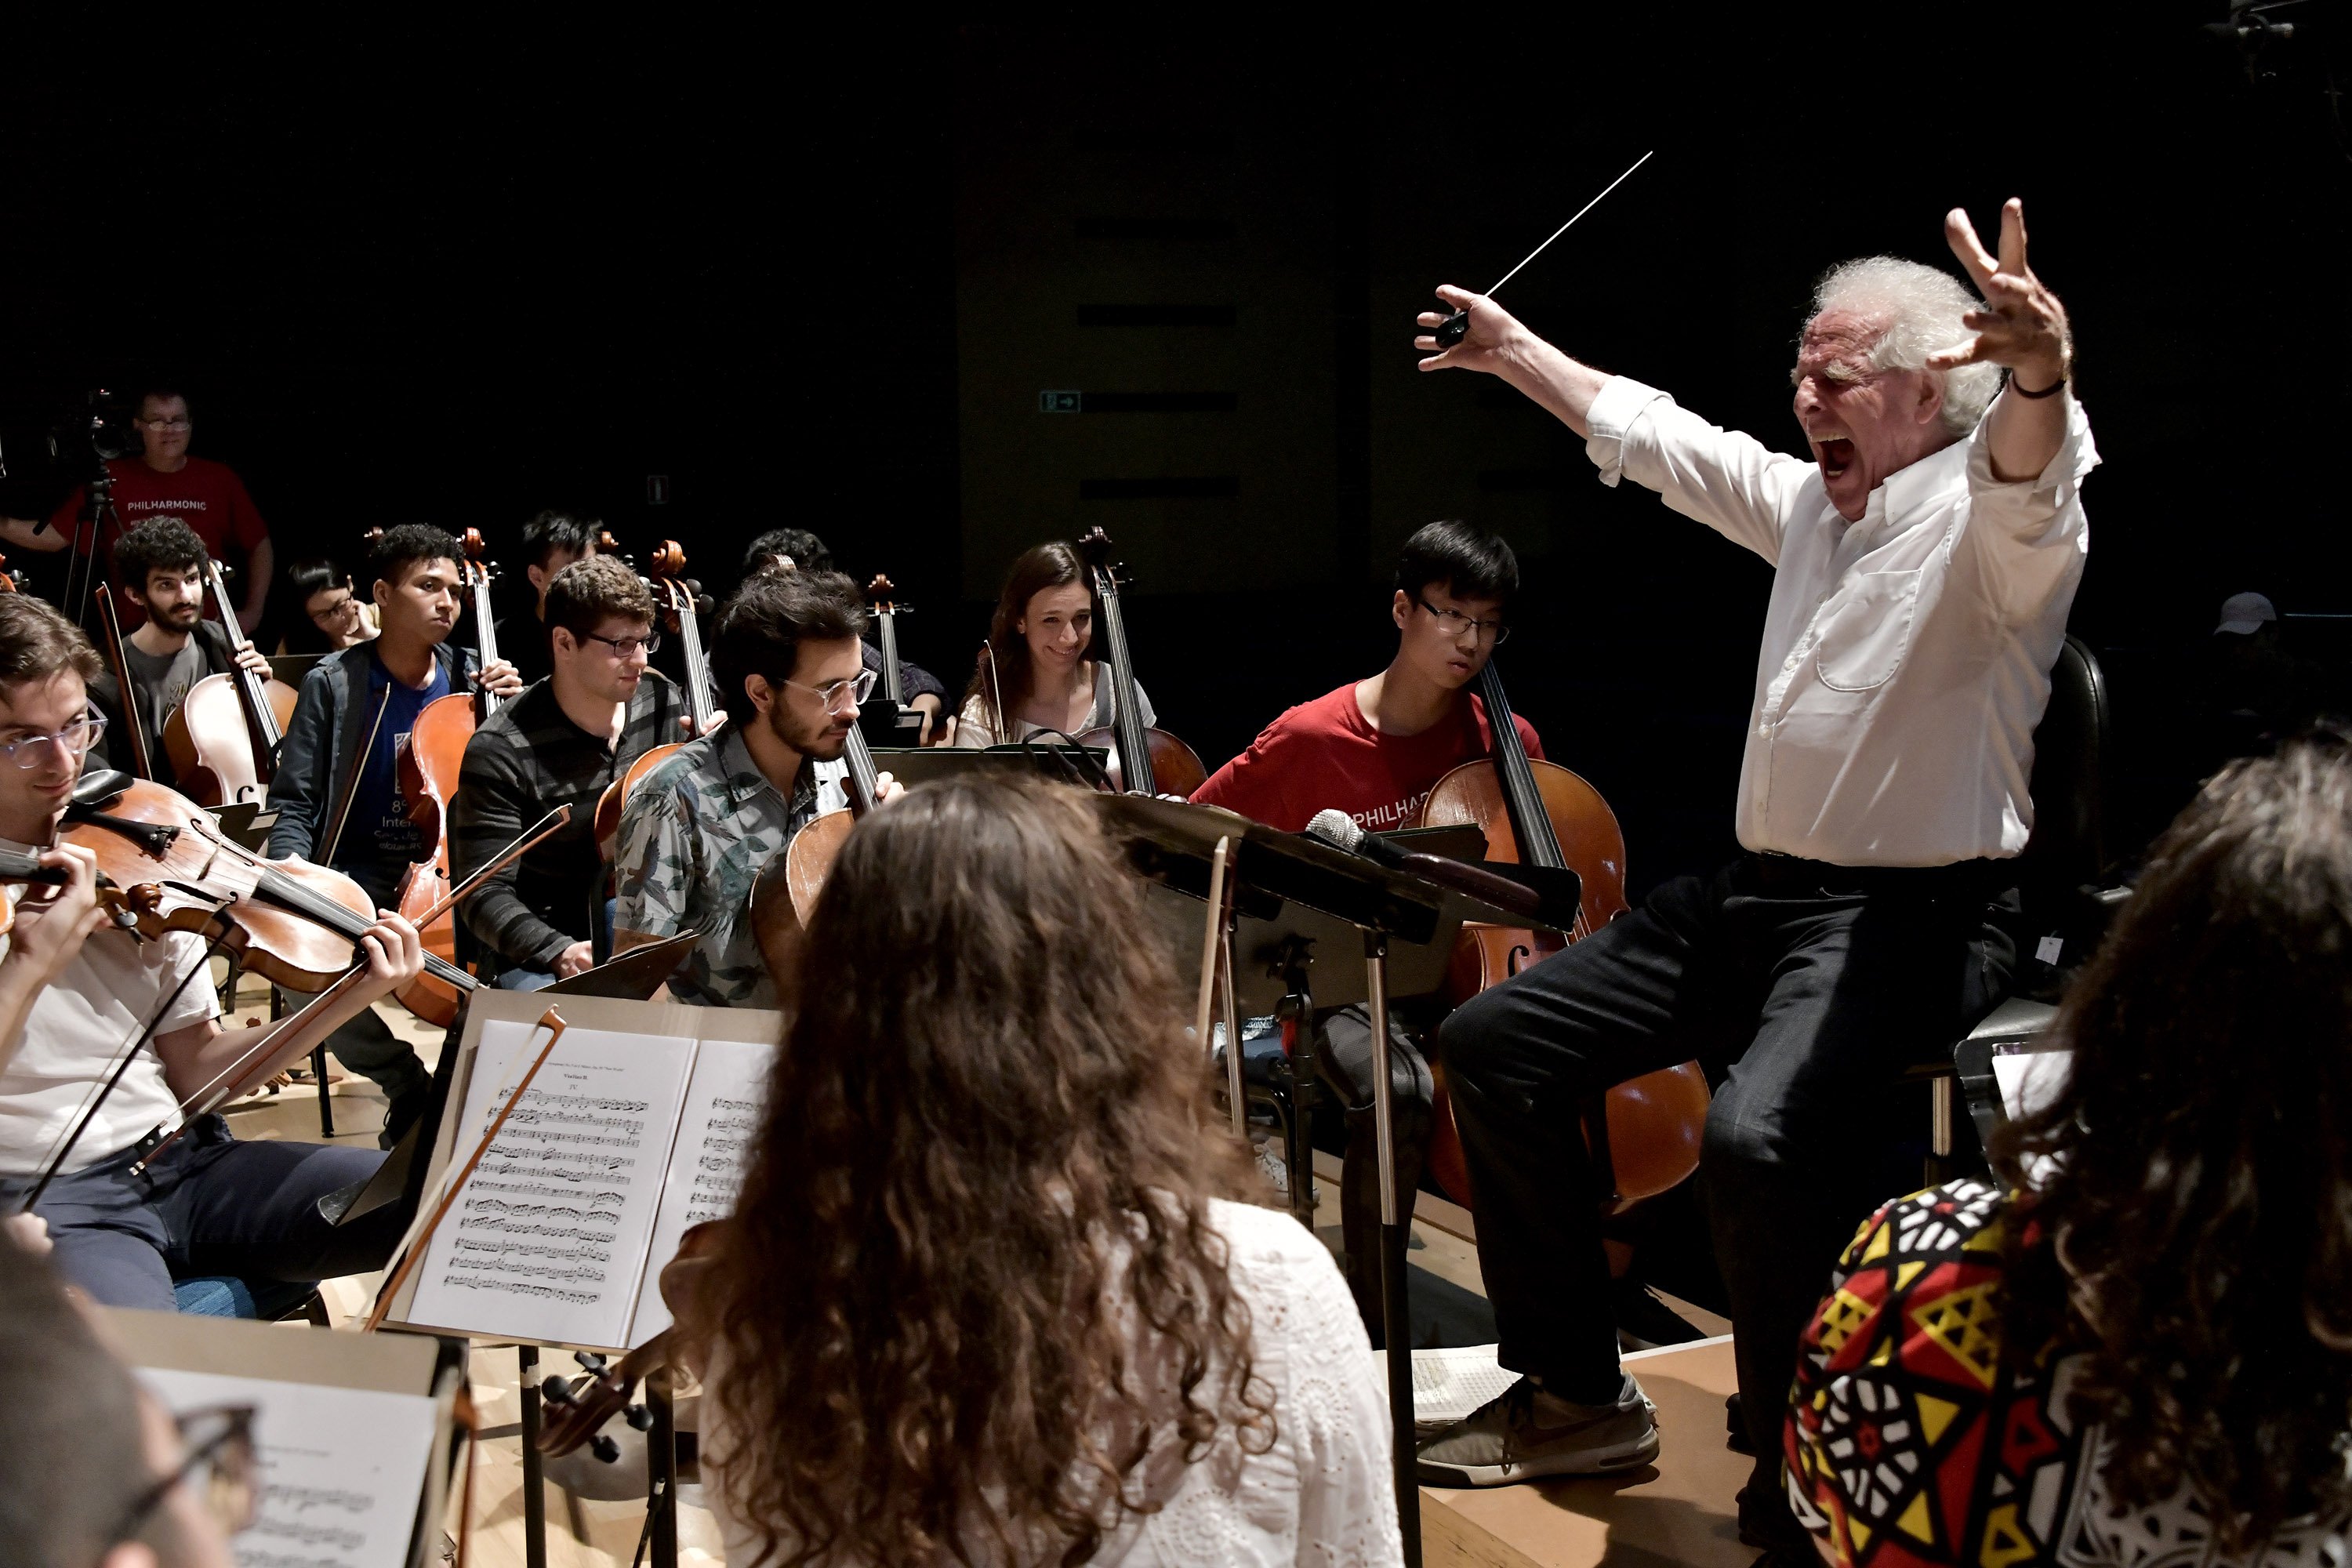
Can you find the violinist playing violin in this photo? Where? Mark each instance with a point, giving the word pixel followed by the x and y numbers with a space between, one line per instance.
pixel 1925 552
pixel 160 564
pixel 209 1203
pixel 701 829
pixel 1373 749
pixel 337 791
pixel 562 742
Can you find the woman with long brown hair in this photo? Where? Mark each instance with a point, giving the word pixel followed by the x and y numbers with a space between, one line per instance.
pixel 2139 1349
pixel 988 1296
pixel 1033 674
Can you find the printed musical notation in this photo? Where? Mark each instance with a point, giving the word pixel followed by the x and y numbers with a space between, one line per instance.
pixel 339 1470
pixel 722 1117
pixel 548 1238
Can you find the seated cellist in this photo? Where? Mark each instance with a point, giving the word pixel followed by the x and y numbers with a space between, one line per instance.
pixel 1373 749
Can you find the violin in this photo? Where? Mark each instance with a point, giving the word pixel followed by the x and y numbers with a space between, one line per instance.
pixel 1540 813
pixel 1145 761
pixel 580 1409
pixel 429 769
pixel 674 595
pixel 224 738
pixel 10 581
pixel 287 921
pixel 110 628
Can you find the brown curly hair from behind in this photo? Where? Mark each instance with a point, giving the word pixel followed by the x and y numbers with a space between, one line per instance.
pixel 2192 1231
pixel 934 1348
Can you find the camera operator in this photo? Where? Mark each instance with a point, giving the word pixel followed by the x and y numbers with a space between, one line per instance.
pixel 165 481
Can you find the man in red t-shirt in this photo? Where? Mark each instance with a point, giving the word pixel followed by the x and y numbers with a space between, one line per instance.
pixel 1373 749
pixel 165 481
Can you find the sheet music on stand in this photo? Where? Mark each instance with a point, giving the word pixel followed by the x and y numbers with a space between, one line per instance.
pixel 352 1432
pixel 636 1128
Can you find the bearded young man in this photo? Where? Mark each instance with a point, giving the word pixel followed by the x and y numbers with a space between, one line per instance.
pixel 160 566
pixel 1924 564
pixel 699 831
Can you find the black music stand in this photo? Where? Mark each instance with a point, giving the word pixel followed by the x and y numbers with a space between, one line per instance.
pixel 1275 897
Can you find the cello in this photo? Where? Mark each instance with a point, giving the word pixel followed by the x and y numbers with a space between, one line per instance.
pixel 1539 814
pixel 429 769
pixel 668 565
pixel 1148 761
pixel 224 739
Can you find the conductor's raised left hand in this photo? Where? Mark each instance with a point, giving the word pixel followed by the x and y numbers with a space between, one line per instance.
pixel 2022 325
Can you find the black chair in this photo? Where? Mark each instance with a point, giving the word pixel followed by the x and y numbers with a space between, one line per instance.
pixel 2063 902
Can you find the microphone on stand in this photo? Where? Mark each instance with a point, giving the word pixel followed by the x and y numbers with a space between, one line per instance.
pixel 1338 829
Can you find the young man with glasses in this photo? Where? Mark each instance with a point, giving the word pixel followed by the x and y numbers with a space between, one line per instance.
pixel 925 693
pixel 337 790
pixel 699 830
pixel 160 566
pixel 209 1204
pixel 164 480
pixel 1373 749
pixel 560 743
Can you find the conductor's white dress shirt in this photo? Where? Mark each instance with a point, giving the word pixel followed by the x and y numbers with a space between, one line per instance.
pixel 1907 657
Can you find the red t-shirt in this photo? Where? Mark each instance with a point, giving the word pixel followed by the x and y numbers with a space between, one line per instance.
pixel 206 496
pixel 1324 754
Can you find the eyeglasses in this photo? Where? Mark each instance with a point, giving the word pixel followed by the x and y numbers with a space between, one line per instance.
pixel 30 751
pixel 624 647
pixel 1454 624
pixel 336 611
pixel 833 693
pixel 171 424
pixel 219 1465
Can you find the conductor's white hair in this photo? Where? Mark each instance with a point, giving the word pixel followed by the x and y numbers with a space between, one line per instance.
pixel 1922 307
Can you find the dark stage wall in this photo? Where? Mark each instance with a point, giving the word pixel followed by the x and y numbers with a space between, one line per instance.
pixel 826 281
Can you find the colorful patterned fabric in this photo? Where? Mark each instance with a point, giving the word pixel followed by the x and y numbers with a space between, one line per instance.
pixel 694 836
pixel 1908 1443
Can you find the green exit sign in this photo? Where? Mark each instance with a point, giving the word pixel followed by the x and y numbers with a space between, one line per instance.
pixel 1059 402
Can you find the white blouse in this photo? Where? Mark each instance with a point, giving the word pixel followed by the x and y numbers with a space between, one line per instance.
pixel 1324 1494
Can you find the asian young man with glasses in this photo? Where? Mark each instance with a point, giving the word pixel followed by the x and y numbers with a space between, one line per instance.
pixel 562 743
pixel 1373 749
pixel 699 830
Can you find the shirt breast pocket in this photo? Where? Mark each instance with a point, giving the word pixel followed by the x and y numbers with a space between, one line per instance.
pixel 1866 629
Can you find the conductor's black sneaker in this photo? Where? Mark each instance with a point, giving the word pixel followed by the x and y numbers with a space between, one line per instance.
pixel 1524 1433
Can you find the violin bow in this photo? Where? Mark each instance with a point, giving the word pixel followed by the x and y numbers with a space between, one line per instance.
pixel 123 1057
pixel 240 1075
pixel 351 794
pixel 552 1022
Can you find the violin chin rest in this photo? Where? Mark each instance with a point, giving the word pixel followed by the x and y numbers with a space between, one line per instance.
pixel 99 788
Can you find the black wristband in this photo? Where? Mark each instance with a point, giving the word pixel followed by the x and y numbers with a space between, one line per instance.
pixel 2050 390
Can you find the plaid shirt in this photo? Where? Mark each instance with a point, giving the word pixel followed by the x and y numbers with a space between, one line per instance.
pixel 694 836
pixel 528 759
